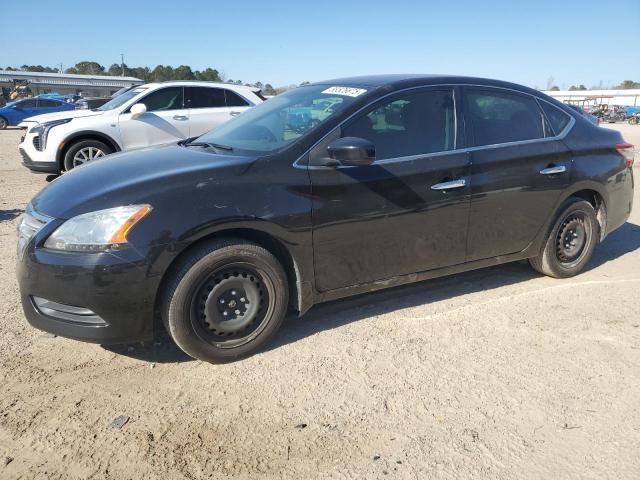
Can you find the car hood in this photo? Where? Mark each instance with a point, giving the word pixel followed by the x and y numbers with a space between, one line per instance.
pixel 136 177
pixel 47 117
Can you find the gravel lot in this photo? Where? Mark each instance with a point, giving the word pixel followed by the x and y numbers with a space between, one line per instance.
pixel 498 373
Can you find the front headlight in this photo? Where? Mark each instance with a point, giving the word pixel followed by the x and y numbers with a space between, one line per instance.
pixel 43 130
pixel 97 231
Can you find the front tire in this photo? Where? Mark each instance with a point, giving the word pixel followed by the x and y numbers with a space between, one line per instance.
pixel 84 151
pixel 225 300
pixel 571 241
pixel 3 123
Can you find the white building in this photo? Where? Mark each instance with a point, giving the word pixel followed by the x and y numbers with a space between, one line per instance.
pixel 630 97
pixel 64 83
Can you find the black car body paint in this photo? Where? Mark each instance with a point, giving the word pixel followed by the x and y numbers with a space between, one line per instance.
pixel 337 230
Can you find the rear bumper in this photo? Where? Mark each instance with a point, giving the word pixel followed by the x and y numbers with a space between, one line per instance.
pixel 99 298
pixel 38 167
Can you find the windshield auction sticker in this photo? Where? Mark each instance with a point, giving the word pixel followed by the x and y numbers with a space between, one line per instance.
pixel 347 91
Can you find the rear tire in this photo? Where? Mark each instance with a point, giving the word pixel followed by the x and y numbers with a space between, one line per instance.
pixel 3 123
pixel 571 241
pixel 84 151
pixel 225 300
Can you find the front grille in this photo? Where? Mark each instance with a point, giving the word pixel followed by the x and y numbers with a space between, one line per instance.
pixel 37 143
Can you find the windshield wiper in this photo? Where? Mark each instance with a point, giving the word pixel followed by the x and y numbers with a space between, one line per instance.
pixel 217 146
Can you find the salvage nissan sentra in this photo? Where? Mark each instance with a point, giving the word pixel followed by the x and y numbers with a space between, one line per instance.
pixel 330 190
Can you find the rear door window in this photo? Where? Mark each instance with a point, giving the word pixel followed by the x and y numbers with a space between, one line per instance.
pixel 557 118
pixel 44 103
pixel 496 117
pixel 412 124
pixel 204 97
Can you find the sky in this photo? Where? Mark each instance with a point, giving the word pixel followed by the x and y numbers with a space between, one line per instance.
pixel 288 42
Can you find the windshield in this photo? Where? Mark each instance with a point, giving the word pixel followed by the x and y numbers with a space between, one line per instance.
pixel 282 119
pixel 121 99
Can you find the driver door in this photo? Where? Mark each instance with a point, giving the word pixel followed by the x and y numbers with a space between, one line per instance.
pixel 395 216
pixel 165 121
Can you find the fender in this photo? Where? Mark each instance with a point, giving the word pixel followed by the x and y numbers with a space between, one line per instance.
pixel 287 248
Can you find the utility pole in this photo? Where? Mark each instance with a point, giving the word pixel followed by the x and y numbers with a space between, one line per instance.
pixel 61 70
pixel 122 63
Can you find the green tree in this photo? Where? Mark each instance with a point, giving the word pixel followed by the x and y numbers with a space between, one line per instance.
pixel 555 88
pixel 162 73
pixel 87 68
pixel 268 89
pixel 628 84
pixel 183 72
pixel 208 75
pixel 577 87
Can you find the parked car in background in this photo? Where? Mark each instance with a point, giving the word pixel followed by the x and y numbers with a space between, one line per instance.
pixel 146 115
pixel 90 103
pixel 407 178
pixel 14 113
pixel 592 118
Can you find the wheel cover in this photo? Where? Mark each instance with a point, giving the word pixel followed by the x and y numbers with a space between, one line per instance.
pixel 572 239
pixel 231 305
pixel 3 123
pixel 86 154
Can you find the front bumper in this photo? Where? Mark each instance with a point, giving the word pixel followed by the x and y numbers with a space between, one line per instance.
pixel 38 167
pixel 101 298
pixel 35 159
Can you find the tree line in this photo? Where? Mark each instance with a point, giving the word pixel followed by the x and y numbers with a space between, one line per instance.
pixel 160 73
pixel 625 85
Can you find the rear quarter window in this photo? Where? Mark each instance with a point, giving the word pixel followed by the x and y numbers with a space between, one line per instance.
pixel 235 100
pixel 557 118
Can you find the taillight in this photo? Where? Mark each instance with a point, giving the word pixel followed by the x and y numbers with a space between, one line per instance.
pixel 627 151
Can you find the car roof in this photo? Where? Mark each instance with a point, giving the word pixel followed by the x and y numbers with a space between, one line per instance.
pixel 397 81
pixel 201 83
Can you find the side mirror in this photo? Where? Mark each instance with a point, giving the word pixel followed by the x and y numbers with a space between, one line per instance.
pixel 352 151
pixel 137 110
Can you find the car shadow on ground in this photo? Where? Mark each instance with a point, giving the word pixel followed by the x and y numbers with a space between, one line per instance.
pixel 342 312
pixel 8 215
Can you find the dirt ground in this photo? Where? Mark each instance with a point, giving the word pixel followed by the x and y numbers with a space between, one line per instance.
pixel 498 373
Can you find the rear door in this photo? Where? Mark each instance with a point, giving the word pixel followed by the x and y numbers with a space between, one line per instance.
pixel 210 107
pixel 519 168
pixel 207 109
pixel 165 121
pixel 392 217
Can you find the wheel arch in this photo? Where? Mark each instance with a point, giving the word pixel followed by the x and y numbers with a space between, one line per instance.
pixel 261 238
pixel 595 196
pixel 83 135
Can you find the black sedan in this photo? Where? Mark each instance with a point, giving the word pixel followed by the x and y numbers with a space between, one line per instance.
pixel 292 203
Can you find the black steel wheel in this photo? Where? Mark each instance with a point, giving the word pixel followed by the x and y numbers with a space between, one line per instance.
pixel 225 299
pixel 571 241
pixel 230 307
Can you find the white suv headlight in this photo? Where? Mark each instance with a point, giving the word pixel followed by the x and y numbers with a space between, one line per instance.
pixel 97 231
pixel 42 130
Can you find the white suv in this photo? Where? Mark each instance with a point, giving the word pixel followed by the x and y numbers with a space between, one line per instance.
pixel 151 114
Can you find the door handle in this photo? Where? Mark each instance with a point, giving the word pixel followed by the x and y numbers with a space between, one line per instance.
pixel 449 185
pixel 233 114
pixel 553 170
pixel 180 117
